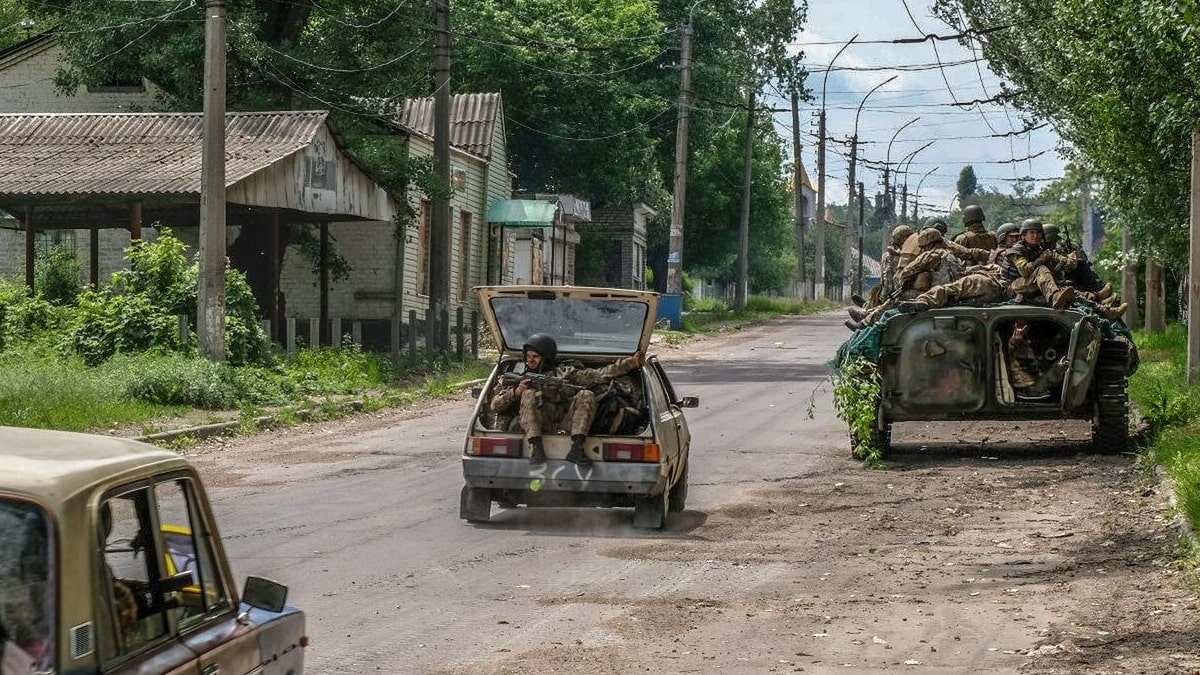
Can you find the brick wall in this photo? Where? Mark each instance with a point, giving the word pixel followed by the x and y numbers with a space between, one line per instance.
pixel 27 85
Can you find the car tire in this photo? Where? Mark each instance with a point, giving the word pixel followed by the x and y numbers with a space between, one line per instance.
pixel 1110 426
pixel 650 513
pixel 475 505
pixel 677 500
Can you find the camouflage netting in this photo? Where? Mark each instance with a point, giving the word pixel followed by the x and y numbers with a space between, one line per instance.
pixel 866 342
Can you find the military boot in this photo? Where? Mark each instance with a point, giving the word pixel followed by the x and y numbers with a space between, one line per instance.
pixel 856 313
pixel 912 306
pixel 1063 298
pixel 537 452
pixel 578 455
pixel 1105 292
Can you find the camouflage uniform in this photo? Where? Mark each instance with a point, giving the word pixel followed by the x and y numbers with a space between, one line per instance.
pixel 976 237
pixel 1025 370
pixel 889 262
pixel 982 284
pixel 554 409
pixel 1028 271
pixel 935 265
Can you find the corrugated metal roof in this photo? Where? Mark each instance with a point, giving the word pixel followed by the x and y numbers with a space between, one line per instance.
pixel 139 153
pixel 472 120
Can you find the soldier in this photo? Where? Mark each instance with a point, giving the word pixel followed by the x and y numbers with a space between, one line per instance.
pixel 911 249
pixel 976 235
pixel 1027 268
pixel 554 409
pixel 1083 275
pixel 1030 380
pixel 1007 235
pixel 982 284
pixel 889 261
pixel 935 266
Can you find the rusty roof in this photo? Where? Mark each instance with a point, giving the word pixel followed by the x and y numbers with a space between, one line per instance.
pixel 473 119
pixel 139 153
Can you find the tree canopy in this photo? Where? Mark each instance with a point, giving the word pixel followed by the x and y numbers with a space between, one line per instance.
pixel 1120 82
pixel 589 86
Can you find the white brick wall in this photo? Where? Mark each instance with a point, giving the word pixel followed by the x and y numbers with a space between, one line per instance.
pixel 27 85
pixel 112 252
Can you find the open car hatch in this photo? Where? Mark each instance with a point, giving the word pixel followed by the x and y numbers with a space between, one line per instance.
pixel 581 320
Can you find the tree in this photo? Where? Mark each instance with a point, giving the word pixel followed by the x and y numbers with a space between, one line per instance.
pixel 1120 82
pixel 967 184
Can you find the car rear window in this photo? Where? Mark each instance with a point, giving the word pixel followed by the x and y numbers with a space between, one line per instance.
pixel 26 587
pixel 578 325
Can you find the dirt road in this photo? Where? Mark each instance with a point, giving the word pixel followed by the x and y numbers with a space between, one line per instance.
pixel 984 548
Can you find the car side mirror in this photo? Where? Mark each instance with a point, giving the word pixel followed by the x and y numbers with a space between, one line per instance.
pixel 264 594
pixel 690 402
pixel 476 392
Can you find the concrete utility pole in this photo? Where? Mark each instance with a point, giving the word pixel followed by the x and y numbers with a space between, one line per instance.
pixel 436 338
pixel 210 295
pixel 861 229
pixel 1085 202
pixel 743 257
pixel 819 253
pixel 1193 294
pixel 798 196
pixel 1156 305
pixel 675 242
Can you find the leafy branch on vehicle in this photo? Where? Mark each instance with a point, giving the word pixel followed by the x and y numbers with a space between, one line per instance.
pixel 856 398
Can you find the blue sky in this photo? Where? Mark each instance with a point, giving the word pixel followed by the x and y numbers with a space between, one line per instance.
pixel 964 135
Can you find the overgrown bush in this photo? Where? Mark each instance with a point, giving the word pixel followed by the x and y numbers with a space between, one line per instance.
pixel 180 380
pixel 138 312
pixel 58 276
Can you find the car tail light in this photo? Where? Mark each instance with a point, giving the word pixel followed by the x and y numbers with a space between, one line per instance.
pixel 497 447
pixel 630 452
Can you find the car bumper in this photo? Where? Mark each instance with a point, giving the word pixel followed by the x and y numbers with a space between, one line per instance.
pixel 558 475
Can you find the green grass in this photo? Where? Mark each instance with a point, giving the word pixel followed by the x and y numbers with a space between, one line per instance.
pixel 1171 408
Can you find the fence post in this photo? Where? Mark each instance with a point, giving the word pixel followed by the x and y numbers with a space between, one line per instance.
pixel 291 337
pixel 458 317
pixel 356 333
pixel 475 334
pixel 314 333
pixel 395 336
pixel 430 333
pixel 335 336
pixel 412 339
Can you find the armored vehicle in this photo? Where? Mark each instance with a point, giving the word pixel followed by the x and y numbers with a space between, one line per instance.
pixel 964 363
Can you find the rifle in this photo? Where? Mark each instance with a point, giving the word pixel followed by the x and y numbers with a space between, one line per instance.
pixel 540 382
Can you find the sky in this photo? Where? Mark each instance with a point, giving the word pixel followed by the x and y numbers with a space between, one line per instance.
pixel 962 135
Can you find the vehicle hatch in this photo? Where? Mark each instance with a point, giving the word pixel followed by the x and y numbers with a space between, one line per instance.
pixel 935 365
pixel 1082 355
pixel 581 320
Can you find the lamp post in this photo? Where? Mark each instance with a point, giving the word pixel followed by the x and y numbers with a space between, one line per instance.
pixel 887 166
pixel 853 162
pixel 819 254
pixel 917 195
pixel 907 160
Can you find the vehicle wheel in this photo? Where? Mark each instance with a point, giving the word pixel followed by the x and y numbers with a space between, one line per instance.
pixel 475 505
pixel 1110 427
pixel 650 513
pixel 677 501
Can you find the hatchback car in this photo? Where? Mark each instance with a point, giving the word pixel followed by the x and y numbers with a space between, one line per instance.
pixel 638 442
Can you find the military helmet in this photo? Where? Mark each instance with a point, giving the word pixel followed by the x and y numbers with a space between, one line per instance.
pixel 1050 232
pixel 937 222
pixel 900 233
pixel 544 345
pixel 1005 230
pixel 928 236
pixel 1031 224
pixel 972 214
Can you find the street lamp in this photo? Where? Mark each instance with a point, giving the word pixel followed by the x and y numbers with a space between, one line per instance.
pixel 917 196
pixel 907 160
pixel 853 161
pixel 819 257
pixel 887 166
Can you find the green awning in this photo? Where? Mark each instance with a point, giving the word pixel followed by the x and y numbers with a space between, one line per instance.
pixel 522 213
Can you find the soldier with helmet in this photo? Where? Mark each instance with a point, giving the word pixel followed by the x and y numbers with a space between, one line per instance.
pixel 555 409
pixel 1007 235
pixel 1027 267
pixel 889 262
pixel 976 235
pixel 912 249
pixel 1082 274
pixel 935 266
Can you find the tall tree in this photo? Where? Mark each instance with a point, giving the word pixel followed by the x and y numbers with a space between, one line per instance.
pixel 967 184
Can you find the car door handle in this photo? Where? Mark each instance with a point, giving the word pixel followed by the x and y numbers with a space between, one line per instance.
pixel 210 669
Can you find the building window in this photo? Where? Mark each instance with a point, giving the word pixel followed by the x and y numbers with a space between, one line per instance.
pixel 423 248
pixel 48 240
pixel 464 255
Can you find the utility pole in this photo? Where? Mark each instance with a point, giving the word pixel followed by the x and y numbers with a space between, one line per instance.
pixel 1193 293
pixel 861 227
pixel 819 253
pixel 675 242
pixel 798 195
pixel 850 217
pixel 743 257
pixel 436 337
pixel 210 295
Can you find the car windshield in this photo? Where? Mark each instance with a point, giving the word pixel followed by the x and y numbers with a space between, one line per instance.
pixel 26 587
pixel 578 325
